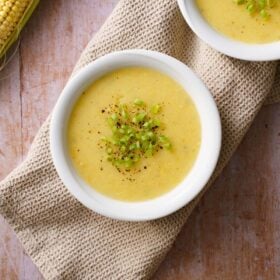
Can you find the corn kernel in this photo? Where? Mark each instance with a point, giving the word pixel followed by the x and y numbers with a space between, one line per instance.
pixel 13 15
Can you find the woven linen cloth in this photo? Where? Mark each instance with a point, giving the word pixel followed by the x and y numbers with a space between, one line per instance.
pixel 68 241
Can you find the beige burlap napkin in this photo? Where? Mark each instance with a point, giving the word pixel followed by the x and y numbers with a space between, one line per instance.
pixel 66 240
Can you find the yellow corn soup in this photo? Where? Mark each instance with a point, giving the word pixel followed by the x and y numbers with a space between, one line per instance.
pixel 237 23
pixel 152 176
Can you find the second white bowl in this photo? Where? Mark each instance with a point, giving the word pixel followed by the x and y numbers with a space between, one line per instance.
pixel 223 44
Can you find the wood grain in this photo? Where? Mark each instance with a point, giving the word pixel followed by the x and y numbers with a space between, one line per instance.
pixel 232 234
pixel 29 86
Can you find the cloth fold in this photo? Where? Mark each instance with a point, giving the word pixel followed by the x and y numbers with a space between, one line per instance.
pixel 68 241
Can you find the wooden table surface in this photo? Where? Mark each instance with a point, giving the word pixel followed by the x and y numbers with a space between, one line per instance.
pixel 234 233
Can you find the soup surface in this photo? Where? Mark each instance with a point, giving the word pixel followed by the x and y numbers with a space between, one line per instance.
pixel 151 176
pixel 236 22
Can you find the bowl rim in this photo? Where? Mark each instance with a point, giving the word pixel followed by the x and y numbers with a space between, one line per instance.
pixel 222 43
pixel 178 196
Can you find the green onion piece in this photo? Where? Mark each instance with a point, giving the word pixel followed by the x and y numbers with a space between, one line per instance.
pixel 260 7
pixel 139 117
pixel 155 109
pixel 250 8
pixel 139 102
pixel 264 14
pixel 239 2
pixel 114 117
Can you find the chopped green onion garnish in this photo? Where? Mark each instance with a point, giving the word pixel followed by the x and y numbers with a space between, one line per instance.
pixel 135 134
pixel 260 7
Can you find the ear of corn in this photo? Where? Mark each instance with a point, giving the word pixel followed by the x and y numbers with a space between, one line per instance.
pixel 13 16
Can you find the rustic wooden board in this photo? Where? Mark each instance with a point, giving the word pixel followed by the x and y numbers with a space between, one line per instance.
pixel 232 234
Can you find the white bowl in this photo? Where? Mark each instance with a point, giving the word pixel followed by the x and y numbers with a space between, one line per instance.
pixel 223 44
pixel 193 182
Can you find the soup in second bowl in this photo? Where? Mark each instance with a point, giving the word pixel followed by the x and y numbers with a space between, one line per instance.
pixel 248 21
